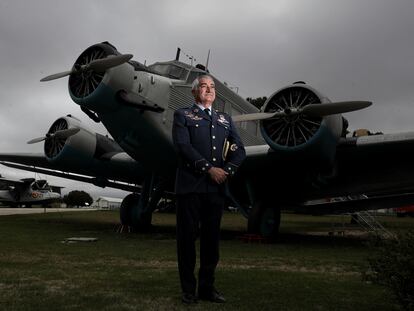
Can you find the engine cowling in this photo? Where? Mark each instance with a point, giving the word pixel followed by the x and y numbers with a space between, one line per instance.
pixel 82 145
pixel 89 153
pixel 97 90
pixel 311 137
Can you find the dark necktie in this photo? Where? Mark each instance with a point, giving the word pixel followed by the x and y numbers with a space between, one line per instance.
pixel 207 111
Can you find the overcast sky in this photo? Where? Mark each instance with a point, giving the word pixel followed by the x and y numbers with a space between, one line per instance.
pixel 348 50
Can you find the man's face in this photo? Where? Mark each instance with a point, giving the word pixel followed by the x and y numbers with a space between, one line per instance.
pixel 206 92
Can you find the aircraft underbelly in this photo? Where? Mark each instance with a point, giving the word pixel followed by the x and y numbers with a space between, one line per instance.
pixel 146 139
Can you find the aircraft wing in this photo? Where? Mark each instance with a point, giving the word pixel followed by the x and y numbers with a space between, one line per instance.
pixel 116 170
pixel 378 166
pixel 372 141
pixel 31 159
pixel 16 182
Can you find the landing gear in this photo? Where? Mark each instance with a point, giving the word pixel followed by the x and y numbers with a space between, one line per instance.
pixel 136 208
pixel 270 222
pixel 264 220
pixel 132 213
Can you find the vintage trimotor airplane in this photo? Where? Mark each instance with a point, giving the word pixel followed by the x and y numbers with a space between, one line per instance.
pixel 27 192
pixel 297 149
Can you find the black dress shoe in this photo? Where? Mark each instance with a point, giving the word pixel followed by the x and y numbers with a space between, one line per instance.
pixel 188 298
pixel 213 296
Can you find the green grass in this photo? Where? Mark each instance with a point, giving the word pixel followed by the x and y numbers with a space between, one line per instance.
pixel 300 271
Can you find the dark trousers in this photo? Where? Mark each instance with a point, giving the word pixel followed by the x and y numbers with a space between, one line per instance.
pixel 198 214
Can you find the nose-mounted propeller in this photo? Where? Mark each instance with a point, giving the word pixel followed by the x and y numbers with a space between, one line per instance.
pixel 61 134
pixel 318 110
pixel 97 65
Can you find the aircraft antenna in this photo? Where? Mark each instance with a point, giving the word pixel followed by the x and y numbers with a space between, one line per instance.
pixel 208 58
pixel 177 56
pixel 190 57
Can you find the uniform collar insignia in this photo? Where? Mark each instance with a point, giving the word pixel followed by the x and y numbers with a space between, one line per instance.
pixel 200 113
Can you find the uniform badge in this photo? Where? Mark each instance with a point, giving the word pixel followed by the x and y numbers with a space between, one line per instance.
pixel 233 147
pixel 222 120
pixel 192 116
pixel 189 114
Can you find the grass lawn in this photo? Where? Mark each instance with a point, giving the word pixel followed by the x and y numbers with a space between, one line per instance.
pixel 300 271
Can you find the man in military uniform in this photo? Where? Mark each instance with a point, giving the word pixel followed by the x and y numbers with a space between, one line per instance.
pixel 209 152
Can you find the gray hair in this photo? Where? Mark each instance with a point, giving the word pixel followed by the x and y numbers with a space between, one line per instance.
pixel 196 81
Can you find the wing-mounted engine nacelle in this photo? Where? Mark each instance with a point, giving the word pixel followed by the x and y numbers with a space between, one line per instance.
pixel 310 137
pixel 97 89
pixel 79 148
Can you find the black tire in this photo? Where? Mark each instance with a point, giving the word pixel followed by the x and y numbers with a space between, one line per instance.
pixel 270 222
pixel 127 205
pixel 264 220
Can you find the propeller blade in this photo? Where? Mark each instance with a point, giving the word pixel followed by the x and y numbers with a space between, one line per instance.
pixel 334 108
pixel 258 116
pixel 103 64
pixel 66 133
pixel 56 76
pixel 36 140
pixel 319 110
pixel 59 134
pixel 99 65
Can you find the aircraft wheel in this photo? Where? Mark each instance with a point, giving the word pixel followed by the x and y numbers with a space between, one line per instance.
pixel 126 208
pixel 264 220
pixel 133 213
pixel 270 222
pixel 253 222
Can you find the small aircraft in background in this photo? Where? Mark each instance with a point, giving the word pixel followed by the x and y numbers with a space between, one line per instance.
pixel 27 192
pixel 296 144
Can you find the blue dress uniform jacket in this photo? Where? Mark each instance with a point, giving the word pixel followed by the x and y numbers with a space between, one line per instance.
pixel 203 141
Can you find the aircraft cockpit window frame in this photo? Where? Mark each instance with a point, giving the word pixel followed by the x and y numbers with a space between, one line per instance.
pixel 176 72
pixel 159 68
pixel 170 70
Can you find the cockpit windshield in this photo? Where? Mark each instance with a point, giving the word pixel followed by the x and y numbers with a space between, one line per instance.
pixel 169 70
